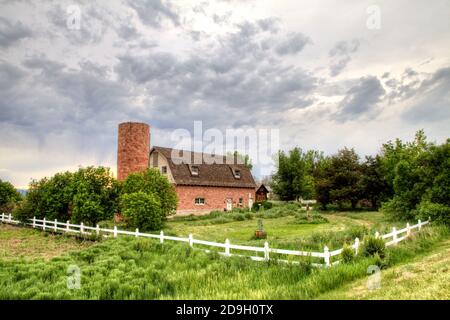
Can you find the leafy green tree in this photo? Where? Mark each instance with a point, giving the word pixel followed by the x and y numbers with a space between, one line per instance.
pixel 345 174
pixel 151 181
pixel 142 210
pixel 293 178
pixel 322 182
pixel 88 195
pixel 9 196
pixel 95 195
pixel 375 187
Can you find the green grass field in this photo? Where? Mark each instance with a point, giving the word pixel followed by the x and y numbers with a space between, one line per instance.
pixel 34 264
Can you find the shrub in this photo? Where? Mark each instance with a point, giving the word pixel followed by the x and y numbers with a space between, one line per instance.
pixel 311 218
pixel 348 254
pixel 373 246
pixel 153 182
pixel 8 196
pixel 142 210
pixel 437 212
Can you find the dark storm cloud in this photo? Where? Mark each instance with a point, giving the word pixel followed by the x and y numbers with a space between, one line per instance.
pixel 431 101
pixel 12 32
pixel 154 12
pixel 360 99
pixel 229 84
pixel 340 55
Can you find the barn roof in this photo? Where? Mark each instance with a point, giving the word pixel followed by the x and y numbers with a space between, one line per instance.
pixel 209 174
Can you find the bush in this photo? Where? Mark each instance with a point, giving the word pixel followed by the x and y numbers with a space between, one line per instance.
pixel 437 212
pixel 373 246
pixel 9 196
pixel 265 205
pixel 153 182
pixel 142 210
pixel 348 254
pixel 311 218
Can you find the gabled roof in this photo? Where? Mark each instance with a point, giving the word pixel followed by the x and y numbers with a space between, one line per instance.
pixel 209 174
pixel 263 188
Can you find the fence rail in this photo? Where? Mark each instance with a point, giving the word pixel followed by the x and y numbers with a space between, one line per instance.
pixel 326 255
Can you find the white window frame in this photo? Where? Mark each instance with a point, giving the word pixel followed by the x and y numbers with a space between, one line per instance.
pixel 199 203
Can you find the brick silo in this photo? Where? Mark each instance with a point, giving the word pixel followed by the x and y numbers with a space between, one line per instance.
pixel 133 148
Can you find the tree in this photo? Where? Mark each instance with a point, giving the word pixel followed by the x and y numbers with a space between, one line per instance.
pixel 375 188
pixel 142 210
pixel 406 171
pixel 9 196
pixel 293 178
pixel 95 195
pixel 151 181
pixel 322 182
pixel 345 175
pixel 88 195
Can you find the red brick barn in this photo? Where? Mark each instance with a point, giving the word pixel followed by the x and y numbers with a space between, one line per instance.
pixel 203 182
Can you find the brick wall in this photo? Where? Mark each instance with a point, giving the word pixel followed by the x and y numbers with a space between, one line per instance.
pixel 215 198
pixel 133 148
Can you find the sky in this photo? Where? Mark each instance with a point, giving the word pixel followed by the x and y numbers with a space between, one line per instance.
pixel 325 74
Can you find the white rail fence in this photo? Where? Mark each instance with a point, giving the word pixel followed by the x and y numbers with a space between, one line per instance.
pixel 395 237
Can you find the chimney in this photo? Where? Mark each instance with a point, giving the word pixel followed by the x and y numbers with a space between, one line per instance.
pixel 133 150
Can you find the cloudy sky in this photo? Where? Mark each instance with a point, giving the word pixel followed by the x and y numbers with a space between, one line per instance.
pixel 327 74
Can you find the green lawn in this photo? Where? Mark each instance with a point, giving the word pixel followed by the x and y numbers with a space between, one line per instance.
pixel 280 231
pixel 18 242
pixel 33 264
pixel 426 277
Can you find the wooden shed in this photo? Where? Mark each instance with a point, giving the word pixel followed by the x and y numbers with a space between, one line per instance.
pixel 261 193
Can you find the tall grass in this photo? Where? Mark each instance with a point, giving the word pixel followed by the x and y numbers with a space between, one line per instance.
pixel 129 268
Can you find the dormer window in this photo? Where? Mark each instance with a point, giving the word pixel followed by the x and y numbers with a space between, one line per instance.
pixel 237 174
pixel 194 170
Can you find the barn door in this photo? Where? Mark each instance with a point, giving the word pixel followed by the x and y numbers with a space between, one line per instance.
pixel 250 202
pixel 229 204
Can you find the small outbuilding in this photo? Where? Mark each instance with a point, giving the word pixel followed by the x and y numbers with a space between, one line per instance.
pixel 262 193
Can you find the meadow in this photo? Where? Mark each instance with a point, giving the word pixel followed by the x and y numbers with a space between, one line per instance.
pixel 130 268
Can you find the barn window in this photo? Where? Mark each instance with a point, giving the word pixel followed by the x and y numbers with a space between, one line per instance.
pixel 199 201
pixel 237 174
pixel 194 170
pixel 163 169
pixel 241 200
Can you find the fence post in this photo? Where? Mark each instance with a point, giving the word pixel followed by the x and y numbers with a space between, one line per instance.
pixel 137 233
pixel 34 222
pixel 81 228
pixel 56 225
pixel 266 251
pixel 97 230
pixel 420 224
pixel 377 235
pixel 408 229
pixel 356 246
pixel 191 240
pixel 115 231
pixel 326 256
pixel 67 225
pixel 394 235
pixel 43 224
pixel 227 247
pixel 161 237
pixel 9 217
pixel 2 217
